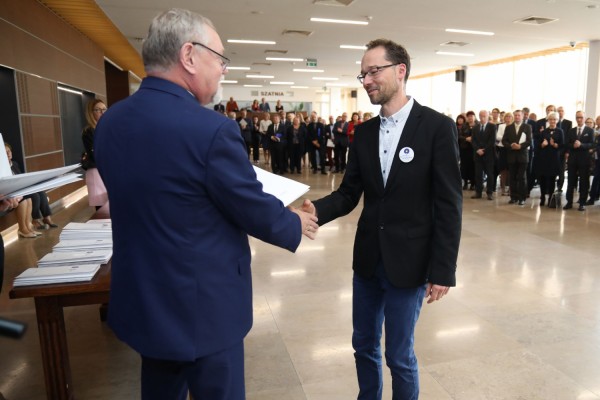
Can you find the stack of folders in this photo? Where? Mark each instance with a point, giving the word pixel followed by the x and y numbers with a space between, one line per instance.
pixel 62 274
pixel 76 258
pixel 94 229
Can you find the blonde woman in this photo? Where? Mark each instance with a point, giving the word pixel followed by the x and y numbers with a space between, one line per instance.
pixel 97 196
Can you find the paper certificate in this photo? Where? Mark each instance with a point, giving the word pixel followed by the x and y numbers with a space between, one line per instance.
pixel 286 190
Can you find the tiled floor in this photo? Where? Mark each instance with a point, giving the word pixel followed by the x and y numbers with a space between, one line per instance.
pixel 523 322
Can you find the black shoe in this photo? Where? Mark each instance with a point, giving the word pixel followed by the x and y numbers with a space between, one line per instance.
pixel 323 173
pixel 490 197
pixel 476 196
pixel 581 208
pixel 521 202
pixel 590 202
pixel 511 201
pixel 568 206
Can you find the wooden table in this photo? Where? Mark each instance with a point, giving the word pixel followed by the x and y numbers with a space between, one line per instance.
pixel 49 303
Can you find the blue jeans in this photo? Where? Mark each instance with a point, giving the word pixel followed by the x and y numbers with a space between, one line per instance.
pixel 374 301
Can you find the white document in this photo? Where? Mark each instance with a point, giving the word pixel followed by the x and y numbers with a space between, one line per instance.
pixel 75 257
pixel 522 138
pixel 286 190
pixel 61 274
pixel 4 164
pixel 13 183
pixel 84 245
pixel 47 185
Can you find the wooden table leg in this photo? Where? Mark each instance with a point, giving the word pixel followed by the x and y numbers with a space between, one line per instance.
pixel 53 342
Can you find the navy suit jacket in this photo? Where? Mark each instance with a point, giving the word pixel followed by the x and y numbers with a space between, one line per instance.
pixel 184 199
pixel 413 223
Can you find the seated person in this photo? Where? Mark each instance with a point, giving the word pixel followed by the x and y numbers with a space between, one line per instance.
pixel 41 212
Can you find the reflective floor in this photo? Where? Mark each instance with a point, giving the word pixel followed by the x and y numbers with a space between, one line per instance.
pixel 523 322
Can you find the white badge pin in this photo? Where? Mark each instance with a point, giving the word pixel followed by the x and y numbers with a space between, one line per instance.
pixel 406 155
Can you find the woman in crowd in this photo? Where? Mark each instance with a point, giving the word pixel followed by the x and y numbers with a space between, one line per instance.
pixel 467 164
pixel 354 122
pixel 255 139
pixel 24 208
pixel 367 116
pixel 595 187
pixel 278 106
pixel 97 196
pixel 264 138
pixel 296 138
pixel 546 160
pixel 255 106
pixel 460 123
pixel 502 162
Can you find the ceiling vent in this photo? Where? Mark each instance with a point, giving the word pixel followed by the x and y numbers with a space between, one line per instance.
pixel 454 44
pixel 337 3
pixel 296 32
pixel 261 63
pixel 276 51
pixel 535 20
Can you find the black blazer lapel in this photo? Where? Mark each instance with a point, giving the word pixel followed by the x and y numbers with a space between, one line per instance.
pixel 408 133
pixel 372 150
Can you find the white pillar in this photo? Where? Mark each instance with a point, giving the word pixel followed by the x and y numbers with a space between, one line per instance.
pixel 592 94
pixel 463 91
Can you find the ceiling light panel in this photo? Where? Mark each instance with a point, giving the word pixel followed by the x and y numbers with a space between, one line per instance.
pixel 470 32
pixel 244 41
pixel 308 70
pixel 339 21
pixel 352 47
pixel 284 59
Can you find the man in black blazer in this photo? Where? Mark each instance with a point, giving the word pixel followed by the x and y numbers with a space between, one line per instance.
pixel 579 142
pixel 565 125
pixel 484 142
pixel 517 139
pixel 405 163
pixel 340 134
pixel 318 142
pixel 276 132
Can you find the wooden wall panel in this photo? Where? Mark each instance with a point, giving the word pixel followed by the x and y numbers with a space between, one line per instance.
pixel 44 161
pixel 35 40
pixel 36 95
pixel 40 135
pixel 62 191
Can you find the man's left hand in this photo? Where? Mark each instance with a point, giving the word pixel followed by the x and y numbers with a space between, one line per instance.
pixel 435 292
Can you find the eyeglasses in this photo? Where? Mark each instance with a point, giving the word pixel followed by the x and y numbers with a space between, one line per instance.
pixel 373 71
pixel 100 110
pixel 224 60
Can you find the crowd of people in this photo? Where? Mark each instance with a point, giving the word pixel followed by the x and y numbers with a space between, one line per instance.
pixel 291 142
pixel 523 151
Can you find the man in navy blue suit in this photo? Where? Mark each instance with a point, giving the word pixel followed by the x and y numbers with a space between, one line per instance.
pixel 405 163
pixel 184 199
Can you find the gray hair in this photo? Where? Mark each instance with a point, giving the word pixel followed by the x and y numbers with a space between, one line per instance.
pixel 167 33
pixel 552 114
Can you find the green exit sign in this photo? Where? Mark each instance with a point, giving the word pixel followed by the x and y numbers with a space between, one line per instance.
pixel 311 62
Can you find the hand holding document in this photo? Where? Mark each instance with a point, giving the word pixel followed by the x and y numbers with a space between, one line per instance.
pixel 288 190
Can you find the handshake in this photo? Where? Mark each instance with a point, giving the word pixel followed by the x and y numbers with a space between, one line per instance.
pixel 308 218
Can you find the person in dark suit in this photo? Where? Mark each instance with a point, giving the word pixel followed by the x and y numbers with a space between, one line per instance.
pixel 318 143
pixel 516 141
pixel 548 142
pixel 340 139
pixel 531 179
pixel 405 162
pixel 276 132
pixel 565 126
pixel 484 155
pixel 296 138
pixel 177 176
pixel 330 142
pixel 579 142
pixel 465 138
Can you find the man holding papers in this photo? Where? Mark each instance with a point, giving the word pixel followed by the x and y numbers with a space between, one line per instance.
pixel 184 199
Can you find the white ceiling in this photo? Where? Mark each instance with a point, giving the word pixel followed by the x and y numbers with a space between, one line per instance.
pixel 417 24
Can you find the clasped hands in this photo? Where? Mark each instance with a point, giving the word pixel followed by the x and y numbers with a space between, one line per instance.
pixel 308 217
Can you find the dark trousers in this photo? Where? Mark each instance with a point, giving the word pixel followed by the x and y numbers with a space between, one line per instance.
pixel 313 157
pixel 39 205
pixel 578 169
pixel 295 157
pixel 277 157
pixel 255 151
pixel 484 165
pixel 218 376
pixel 561 172
pixel 546 185
pixel 340 157
pixel 595 190
pixel 376 302
pixel 518 180
pixel 1 262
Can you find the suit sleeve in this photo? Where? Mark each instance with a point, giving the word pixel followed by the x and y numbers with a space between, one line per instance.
pixel 347 196
pixel 232 184
pixel 447 205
